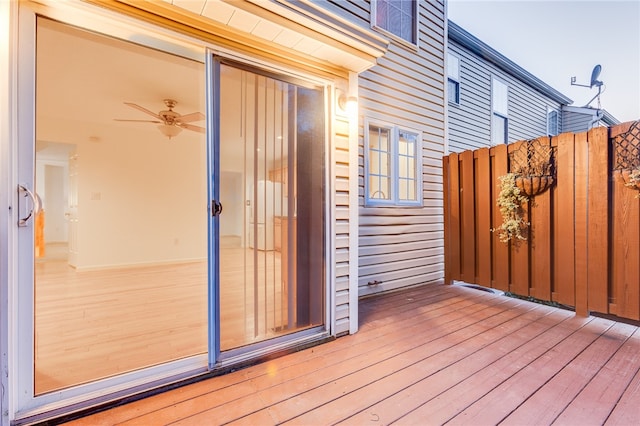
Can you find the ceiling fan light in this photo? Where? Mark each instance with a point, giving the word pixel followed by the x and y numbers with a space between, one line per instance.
pixel 169 130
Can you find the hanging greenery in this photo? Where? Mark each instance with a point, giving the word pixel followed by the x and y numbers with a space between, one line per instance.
pixel 510 201
pixel 633 180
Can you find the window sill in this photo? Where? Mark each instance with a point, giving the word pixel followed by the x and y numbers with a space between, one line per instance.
pixel 399 40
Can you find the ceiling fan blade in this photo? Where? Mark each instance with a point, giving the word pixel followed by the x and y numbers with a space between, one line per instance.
pixel 194 116
pixel 192 127
pixel 138 121
pixel 146 111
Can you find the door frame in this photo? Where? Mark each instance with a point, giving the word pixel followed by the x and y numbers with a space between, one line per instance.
pixel 236 356
pixel 19 159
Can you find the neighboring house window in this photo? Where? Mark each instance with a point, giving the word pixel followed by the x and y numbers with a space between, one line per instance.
pixel 453 78
pixel 552 122
pixel 392 165
pixel 499 112
pixel 398 17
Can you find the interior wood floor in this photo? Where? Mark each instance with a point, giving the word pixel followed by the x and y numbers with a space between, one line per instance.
pixel 96 324
pixel 426 356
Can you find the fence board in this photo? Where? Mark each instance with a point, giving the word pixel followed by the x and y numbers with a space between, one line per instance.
pixel 500 261
pixel 598 221
pixel 519 283
pixel 565 245
pixel 625 250
pixel 454 216
pixel 581 241
pixel 467 211
pixel 446 190
pixel 483 217
pixel 540 236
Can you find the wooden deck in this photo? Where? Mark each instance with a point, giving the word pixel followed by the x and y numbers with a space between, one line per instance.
pixel 429 355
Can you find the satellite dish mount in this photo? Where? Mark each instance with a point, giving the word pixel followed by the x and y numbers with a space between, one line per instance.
pixel 594 82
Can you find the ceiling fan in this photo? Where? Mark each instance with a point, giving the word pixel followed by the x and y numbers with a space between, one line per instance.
pixel 170 122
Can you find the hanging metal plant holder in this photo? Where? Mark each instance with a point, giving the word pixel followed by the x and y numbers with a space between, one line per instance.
pixel 534 185
pixel 626 155
pixel 533 164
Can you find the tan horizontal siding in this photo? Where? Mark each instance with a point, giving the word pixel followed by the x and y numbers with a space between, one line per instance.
pixel 340 158
pixel 401 254
pixel 370 251
pixel 370 240
pixel 402 246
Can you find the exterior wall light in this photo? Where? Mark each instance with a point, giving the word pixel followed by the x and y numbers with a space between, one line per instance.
pixel 348 104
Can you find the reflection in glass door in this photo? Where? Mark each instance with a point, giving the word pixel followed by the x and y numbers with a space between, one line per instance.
pixel 271 169
pixel 121 254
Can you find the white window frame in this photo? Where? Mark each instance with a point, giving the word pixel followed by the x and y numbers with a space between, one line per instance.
pixel 453 77
pixel 416 18
pixel 395 158
pixel 550 111
pixel 499 109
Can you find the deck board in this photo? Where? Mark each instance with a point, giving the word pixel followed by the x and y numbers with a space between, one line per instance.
pixel 427 355
pixel 595 402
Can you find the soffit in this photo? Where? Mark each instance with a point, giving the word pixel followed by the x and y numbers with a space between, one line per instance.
pixel 306 34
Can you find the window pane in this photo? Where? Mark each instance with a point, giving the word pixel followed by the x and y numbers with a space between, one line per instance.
pixel 411 168
pixel 407 27
pixel 406 144
pixel 499 97
pixel 407 190
pixel 395 20
pixel 402 147
pixel 453 88
pixel 384 164
pixel 499 130
pixel 402 189
pixel 453 67
pixel 379 157
pixel 378 139
pixel 113 295
pixel 407 151
pixel 552 119
pixel 382 13
pixel 379 188
pixel 374 163
pixel 398 17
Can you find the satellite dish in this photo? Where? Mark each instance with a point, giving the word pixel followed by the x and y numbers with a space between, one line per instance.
pixel 594 76
pixel 594 82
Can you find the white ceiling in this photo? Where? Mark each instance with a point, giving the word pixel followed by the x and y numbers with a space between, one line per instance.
pixel 83 80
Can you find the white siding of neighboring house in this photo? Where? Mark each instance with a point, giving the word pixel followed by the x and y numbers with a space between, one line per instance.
pixel 403 246
pixel 470 121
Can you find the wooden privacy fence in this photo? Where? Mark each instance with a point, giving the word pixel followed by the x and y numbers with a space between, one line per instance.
pixel 583 237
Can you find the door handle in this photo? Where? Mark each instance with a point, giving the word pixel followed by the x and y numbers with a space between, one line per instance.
pixel 36 204
pixel 216 208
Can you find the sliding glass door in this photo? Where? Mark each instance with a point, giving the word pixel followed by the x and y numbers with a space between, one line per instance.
pixel 271 167
pixel 167 219
pixel 120 253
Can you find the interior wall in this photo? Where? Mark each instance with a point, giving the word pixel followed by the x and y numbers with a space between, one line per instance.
pixel 141 197
pixel 141 200
pixel 232 202
pixel 55 203
pixel 52 188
